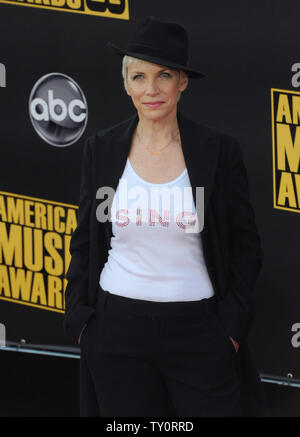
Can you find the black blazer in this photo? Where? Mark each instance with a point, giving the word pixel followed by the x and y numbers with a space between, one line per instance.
pixel 231 243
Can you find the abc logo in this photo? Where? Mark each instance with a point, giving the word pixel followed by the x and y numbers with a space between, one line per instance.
pixel 58 109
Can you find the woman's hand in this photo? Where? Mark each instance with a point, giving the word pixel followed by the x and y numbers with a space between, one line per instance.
pixel 235 344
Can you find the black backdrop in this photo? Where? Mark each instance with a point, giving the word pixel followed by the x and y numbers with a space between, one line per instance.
pixel 245 48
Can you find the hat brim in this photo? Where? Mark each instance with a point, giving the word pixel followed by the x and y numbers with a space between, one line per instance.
pixel 194 74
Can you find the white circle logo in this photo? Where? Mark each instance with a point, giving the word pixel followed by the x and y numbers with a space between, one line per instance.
pixel 58 109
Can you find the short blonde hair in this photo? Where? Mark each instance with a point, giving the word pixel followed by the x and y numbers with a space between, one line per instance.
pixel 127 60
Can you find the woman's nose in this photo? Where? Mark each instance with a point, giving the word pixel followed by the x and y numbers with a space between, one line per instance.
pixel 151 87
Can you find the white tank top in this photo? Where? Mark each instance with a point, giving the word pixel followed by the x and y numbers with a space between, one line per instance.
pixel 155 252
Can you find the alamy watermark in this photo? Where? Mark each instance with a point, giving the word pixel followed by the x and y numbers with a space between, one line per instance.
pixel 2 76
pixel 295 340
pixel 177 206
pixel 2 335
pixel 295 81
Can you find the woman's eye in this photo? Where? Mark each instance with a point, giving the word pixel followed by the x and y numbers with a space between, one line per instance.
pixel 137 76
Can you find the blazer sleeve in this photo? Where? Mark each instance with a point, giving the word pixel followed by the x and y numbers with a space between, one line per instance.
pixel 237 308
pixel 78 311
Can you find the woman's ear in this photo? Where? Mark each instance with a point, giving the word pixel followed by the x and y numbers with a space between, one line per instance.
pixel 184 81
pixel 126 88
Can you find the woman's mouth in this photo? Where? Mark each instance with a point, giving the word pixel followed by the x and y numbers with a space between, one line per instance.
pixel 153 105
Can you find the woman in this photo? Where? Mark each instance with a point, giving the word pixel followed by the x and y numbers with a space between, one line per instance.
pixel 161 305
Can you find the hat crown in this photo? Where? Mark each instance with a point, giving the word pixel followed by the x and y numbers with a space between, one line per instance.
pixel 168 38
pixel 161 42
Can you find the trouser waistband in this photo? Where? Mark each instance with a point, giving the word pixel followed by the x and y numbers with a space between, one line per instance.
pixel 114 302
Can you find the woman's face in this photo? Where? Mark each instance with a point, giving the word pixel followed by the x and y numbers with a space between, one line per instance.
pixel 154 88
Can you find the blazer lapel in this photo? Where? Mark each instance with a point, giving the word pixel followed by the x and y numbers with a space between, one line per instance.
pixel 200 152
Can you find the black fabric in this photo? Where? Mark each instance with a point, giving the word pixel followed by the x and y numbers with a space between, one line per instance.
pixel 141 358
pixel 161 42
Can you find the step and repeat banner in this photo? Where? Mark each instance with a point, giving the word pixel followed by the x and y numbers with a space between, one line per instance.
pixel 59 83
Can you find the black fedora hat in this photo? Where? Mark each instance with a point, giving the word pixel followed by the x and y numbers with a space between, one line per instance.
pixel 160 42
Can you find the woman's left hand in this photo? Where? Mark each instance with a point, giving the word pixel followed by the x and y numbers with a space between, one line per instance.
pixel 235 344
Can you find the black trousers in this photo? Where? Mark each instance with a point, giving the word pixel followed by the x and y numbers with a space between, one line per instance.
pixel 163 359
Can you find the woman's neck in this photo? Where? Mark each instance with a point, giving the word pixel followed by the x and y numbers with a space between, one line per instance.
pixel 157 133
